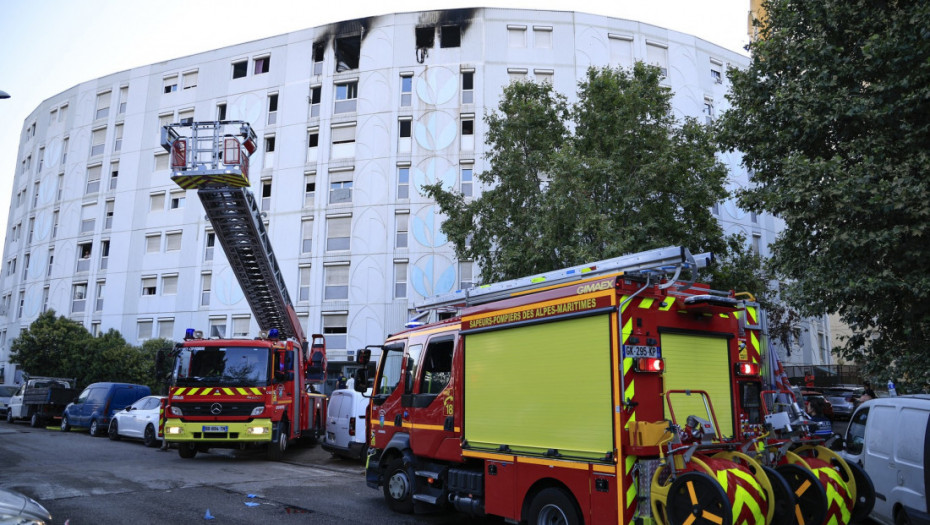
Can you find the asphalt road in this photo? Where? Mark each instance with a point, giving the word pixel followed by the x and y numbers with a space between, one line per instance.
pixel 82 479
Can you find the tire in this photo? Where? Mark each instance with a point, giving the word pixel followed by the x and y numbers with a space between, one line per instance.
pixel 276 448
pixel 901 518
pixel 36 420
pixel 94 428
pixel 398 486
pixel 696 497
pixel 149 438
pixel 553 506
pixel 187 450
pixel 65 425
pixel 113 431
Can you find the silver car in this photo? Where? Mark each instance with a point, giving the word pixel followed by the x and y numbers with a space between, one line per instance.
pixel 21 509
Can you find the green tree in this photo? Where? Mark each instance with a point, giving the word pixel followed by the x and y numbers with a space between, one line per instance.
pixel 833 119
pixel 51 346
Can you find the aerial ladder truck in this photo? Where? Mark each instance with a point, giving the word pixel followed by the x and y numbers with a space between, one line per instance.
pixel 236 393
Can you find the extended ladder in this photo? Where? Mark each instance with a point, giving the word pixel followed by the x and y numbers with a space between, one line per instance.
pixel 216 163
pixel 662 262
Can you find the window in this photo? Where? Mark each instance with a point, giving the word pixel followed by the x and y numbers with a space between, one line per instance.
pixel 173 241
pixel 221 111
pixel 103 106
pixel 108 214
pixel 22 303
pixel 53 116
pixel 166 328
pixel 210 239
pixel 466 275
pixel 63 113
pixel 756 244
pixel 313 143
pixel 93 179
pixel 45 294
pixel 171 84
pixel 754 217
pixel 269 146
pixel 32 229
pixel 403 182
pixel 543 75
pixel 144 328
pixel 335 330
pixel 306 235
pixel 117 138
pixel 149 285
pixel 60 188
pixel 189 79
pixel 205 285
pixel 114 174
pixel 303 287
pixel 716 76
pixel 218 326
pixel 78 298
pixel 266 194
pixel 157 201
pixel 41 159
pixel 240 68
pixel 64 152
pixel 309 189
pixel 316 93
pixel 318 53
pixel 186 117
pixel 437 366
pixel 450 36
pixel 657 55
pixel 406 90
pixel 346 97
pixel 517 74
pixel 97 141
pixel 404 142
pixel 240 326
pixel 402 229
pixel 261 65
pixel 468 132
pixel 123 98
pixel 343 141
pixel 400 280
pixel 153 243
pixel 83 251
pixel 51 262
pixel 169 284
pixel 337 233
pixel 340 187
pixel 465 184
pixel 468 87
pixel 347 49
pixel 272 108
pixel 26 265
pixel 161 161
pixel 708 110
pixel 177 200
pixel 104 254
pixel 98 304
pixel 542 37
pixel 336 282
pixel 516 36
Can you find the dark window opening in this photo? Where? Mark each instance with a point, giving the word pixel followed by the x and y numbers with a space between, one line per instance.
pixel 318 50
pixel 405 128
pixel 314 140
pixel 468 80
pixel 426 36
pixel 348 50
pixel 240 69
pixel 315 93
pixel 450 36
pixel 269 144
pixel 468 127
pixel 273 102
pixel 221 112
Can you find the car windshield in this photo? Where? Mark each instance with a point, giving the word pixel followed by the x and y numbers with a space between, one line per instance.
pixel 223 366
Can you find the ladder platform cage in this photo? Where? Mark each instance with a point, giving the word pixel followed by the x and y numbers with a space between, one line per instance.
pixel 209 154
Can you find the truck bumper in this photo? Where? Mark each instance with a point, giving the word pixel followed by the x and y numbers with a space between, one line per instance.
pixel 255 431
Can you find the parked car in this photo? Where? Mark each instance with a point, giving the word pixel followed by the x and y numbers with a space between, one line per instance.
pixel 19 508
pixel 95 406
pixel 41 399
pixel 140 420
pixel 843 401
pixel 345 424
pixel 816 405
pixel 889 438
pixel 6 392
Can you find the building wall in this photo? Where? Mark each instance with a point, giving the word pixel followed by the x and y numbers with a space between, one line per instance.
pixel 142 229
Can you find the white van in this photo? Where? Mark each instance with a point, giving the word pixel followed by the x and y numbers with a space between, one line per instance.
pixel 888 438
pixel 345 424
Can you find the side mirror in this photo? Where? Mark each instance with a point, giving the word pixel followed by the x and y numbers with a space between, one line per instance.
pixel 363 356
pixel 361 380
pixel 836 443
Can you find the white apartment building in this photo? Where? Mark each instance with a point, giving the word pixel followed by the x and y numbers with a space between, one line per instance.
pixel 352 119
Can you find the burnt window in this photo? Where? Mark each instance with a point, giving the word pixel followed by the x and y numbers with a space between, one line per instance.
pixel 348 50
pixel 450 36
pixel 425 37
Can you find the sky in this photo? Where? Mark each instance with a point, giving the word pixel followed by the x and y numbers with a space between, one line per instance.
pixel 49 46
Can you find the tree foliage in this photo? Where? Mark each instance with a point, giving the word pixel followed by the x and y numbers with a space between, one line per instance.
pixel 59 347
pixel 613 173
pixel 833 119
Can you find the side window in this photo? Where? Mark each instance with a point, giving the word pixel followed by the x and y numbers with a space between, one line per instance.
pixel 855 434
pixel 437 366
pixel 84 395
pixel 389 375
pixel 412 368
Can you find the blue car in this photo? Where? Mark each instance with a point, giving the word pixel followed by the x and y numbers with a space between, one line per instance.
pixel 96 405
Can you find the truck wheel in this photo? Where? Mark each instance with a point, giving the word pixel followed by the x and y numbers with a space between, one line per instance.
pixel 398 486
pixel 276 448
pixel 187 450
pixel 553 506
pixel 65 426
pixel 148 438
pixel 35 421
pixel 94 428
pixel 113 431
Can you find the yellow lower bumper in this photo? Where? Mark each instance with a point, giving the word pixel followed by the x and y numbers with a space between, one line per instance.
pixel 256 431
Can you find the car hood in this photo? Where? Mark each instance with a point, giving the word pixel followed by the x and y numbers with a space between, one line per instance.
pixel 16 505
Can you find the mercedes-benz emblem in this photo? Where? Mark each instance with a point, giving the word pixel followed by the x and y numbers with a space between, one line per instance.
pixel 216 409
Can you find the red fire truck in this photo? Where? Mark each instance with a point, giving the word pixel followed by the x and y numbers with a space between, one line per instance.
pixel 232 393
pixel 613 392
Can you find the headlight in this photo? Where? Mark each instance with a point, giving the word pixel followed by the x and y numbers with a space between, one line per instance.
pixel 257 411
pixel 174 431
pixel 176 411
pixel 257 430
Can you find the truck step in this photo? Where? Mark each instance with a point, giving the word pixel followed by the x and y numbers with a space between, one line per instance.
pixel 426 474
pixel 426 498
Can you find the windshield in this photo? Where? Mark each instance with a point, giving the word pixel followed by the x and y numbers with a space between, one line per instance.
pixel 222 365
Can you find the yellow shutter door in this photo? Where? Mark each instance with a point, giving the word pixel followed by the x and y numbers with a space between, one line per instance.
pixel 698 362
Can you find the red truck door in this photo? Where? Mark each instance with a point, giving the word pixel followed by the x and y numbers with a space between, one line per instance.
pixel 387 414
pixel 431 403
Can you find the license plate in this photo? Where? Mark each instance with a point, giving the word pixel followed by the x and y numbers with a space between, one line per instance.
pixel 215 428
pixel 641 351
